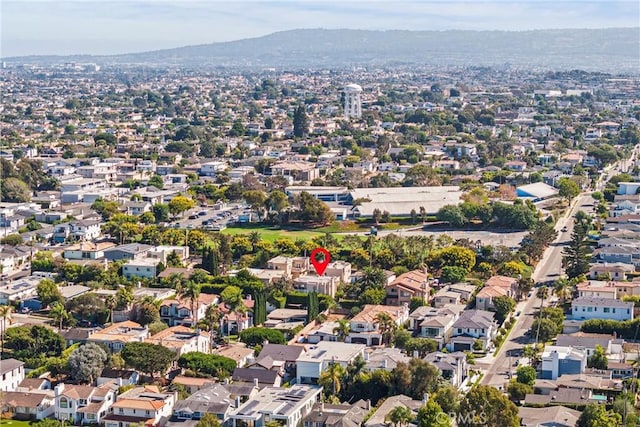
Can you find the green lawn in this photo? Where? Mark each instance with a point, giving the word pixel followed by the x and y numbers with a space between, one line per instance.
pixel 270 233
pixel 14 423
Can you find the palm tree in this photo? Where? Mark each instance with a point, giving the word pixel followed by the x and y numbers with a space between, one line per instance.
pixel 399 416
pixel 110 302
pixel 5 313
pixel 562 289
pixel 59 314
pixel 212 317
pixel 331 378
pixel 190 290
pixel 387 327
pixel 542 293
pixel 342 329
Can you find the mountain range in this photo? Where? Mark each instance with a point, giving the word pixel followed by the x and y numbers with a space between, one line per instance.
pixel 614 50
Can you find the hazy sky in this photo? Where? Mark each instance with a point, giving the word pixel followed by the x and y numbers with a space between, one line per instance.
pixel 106 27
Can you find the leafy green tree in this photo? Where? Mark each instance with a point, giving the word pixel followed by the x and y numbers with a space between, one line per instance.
pixel 256 336
pixel 486 405
pixel 260 307
pixel 526 375
pixel 147 358
pixel 33 340
pixel 451 214
pixel 453 274
pixel 256 199
pixel 48 292
pixel 156 181
pixel 457 256
pixel 568 188
pixel 87 362
pixel 448 397
pixel 432 415
pixel 207 364
pixel 518 391
pixel 503 306
pixel 190 290
pixel 313 306
pixel 597 416
pixel 598 359
pixel 59 314
pixel 160 212
pixel 12 240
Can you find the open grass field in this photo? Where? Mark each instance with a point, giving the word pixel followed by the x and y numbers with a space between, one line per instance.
pixel 270 233
pixel 14 423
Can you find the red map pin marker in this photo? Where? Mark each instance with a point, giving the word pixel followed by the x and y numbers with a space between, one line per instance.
pixel 320 266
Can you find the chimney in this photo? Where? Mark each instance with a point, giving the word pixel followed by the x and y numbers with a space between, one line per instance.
pixel 255 382
pixel 237 402
pixel 321 407
pixel 368 404
pixel 425 398
pixel 226 380
pixel 415 354
pixel 384 363
pixel 366 356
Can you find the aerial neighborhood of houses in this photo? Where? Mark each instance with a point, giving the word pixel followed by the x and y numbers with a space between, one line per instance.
pixel 156 231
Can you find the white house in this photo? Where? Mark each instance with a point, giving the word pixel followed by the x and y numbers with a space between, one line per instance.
pixel 145 267
pixel 558 361
pixel 309 365
pixel 84 404
pixel 141 406
pixel 11 374
pixel 287 406
pixel 365 326
pixel 585 308
pixel 472 325
pixel 35 405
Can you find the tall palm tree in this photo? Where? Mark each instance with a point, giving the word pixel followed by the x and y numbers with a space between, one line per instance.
pixel 190 290
pixel 59 314
pixel 110 302
pixel 5 313
pixel 212 317
pixel 562 289
pixel 387 327
pixel 331 378
pixel 542 293
pixel 342 329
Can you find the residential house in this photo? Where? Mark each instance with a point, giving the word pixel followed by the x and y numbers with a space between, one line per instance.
pixel 86 250
pixel 340 415
pixel 84 404
pixel 117 335
pixel 278 357
pixel 322 284
pixel 297 171
pixel 142 268
pixel 18 290
pixel 558 361
pixel 285 315
pixel 239 352
pixel 445 297
pixel 366 327
pixel 585 308
pixel 386 358
pixel 554 416
pixel 597 289
pixel 178 311
pixel 34 384
pixel 614 271
pixel 141 405
pixel 317 358
pixel 182 340
pixel 340 270
pixel 452 366
pixel 260 378
pixel 127 252
pixel 412 284
pixel 35 405
pixel 11 374
pixel 193 384
pixel 495 286
pixel 472 326
pixel 627 289
pixel 137 208
pixel 214 399
pixel 288 406
pixel 436 323
pixel 612 346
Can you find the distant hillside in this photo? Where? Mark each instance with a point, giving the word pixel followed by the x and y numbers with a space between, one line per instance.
pixel 612 50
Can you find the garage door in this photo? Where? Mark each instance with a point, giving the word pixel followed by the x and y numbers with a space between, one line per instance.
pixel 459 346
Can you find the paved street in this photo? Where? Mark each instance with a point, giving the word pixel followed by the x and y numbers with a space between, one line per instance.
pixel 548 269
